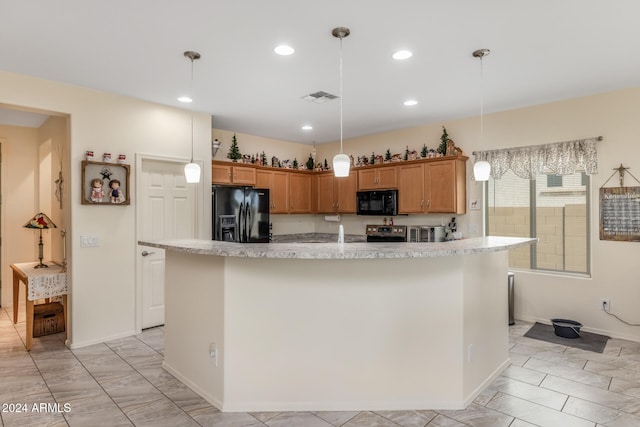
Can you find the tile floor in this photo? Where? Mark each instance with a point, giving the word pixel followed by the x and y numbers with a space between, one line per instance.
pixel 122 383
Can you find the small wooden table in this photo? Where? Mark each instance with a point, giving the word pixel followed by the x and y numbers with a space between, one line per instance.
pixel 40 283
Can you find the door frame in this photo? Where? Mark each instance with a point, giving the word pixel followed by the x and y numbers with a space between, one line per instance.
pixel 198 220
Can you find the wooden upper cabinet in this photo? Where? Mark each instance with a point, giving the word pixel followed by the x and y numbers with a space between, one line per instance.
pixel 445 186
pixel 326 196
pixel 222 173
pixel 411 188
pixel 346 193
pixel 276 182
pixel 300 192
pixel 337 195
pixel 377 178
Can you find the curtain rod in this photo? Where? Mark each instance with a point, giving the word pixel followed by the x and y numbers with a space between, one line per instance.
pixel 597 138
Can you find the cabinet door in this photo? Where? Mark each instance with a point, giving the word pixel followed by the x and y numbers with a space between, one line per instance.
pixel 300 193
pixel 221 174
pixel 411 189
pixel 279 192
pixel 326 197
pixel 264 179
pixel 444 185
pixel 368 179
pixel 346 193
pixel 243 175
pixel 387 177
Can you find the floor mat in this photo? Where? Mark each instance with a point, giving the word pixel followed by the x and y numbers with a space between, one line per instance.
pixel 586 340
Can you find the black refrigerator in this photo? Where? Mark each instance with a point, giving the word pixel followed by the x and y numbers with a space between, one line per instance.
pixel 240 214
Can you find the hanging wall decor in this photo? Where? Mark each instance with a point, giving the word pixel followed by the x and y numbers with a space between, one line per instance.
pixel 105 183
pixel 620 210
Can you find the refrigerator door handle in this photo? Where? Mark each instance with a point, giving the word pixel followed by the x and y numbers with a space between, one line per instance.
pixel 241 233
pixel 249 221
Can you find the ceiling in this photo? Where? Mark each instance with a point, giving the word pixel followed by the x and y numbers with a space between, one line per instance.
pixel 541 51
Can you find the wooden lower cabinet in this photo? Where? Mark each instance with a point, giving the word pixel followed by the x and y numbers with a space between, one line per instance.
pixel 336 195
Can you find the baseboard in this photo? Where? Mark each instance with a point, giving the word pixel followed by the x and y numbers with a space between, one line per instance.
pixel 486 382
pixel 75 345
pixel 206 396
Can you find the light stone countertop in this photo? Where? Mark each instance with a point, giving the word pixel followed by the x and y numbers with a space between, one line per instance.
pixel 474 245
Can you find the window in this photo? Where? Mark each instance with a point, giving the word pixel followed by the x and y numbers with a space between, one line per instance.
pixel 554 180
pixel 556 211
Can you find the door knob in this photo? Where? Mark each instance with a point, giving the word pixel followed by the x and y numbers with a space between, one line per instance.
pixel 147 253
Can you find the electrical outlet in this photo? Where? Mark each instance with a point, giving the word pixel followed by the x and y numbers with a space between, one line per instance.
pixel 605 305
pixel 213 353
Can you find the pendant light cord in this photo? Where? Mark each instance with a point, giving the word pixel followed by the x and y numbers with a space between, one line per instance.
pixel 192 111
pixel 341 95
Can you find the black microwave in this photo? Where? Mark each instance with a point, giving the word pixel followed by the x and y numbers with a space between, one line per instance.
pixel 378 202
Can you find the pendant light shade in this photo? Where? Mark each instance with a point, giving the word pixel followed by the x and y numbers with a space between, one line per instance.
pixel 192 172
pixel 481 170
pixel 341 162
pixel 192 169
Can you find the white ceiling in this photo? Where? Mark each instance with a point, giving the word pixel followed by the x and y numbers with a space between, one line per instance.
pixel 541 51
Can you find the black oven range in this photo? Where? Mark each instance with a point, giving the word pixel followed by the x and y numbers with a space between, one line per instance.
pixel 386 233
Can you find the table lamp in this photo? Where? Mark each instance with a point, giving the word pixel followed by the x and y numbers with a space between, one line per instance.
pixel 41 222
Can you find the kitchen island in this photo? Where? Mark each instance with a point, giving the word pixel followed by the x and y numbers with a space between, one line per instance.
pixel 324 326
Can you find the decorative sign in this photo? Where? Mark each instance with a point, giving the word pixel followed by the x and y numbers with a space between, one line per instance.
pixel 620 213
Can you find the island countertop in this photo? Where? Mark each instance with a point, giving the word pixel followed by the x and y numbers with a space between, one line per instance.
pixel 470 246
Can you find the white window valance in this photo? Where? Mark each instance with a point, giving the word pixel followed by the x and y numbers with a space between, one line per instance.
pixel 561 158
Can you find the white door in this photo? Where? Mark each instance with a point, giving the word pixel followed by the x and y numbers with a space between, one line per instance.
pixel 167 210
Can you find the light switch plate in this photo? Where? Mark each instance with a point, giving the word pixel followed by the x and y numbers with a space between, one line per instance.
pixel 88 241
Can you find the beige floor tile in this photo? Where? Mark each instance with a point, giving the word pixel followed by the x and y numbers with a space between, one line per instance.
pixel 409 418
pixel 295 419
pixel 536 414
pixel 548 398
pixel 369 419
pixel 336 418
pixel 570 373
pixel 524 374
pixel 480 416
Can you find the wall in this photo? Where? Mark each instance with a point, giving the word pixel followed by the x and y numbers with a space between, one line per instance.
pixel 102 299
pixel 19 202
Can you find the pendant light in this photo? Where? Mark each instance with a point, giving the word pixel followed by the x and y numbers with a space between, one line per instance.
pixel 192 169
pixel 482 168
pixel 341 161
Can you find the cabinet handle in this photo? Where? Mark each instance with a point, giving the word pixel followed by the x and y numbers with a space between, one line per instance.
pixel 428 203
pixel 422 203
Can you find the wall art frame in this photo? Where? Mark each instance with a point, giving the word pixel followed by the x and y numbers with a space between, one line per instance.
pixel 105 183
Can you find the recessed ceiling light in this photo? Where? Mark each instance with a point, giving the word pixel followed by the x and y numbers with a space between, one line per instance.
pixel 185 99
pixel 410 102
pixel 284 50
pixel 402 54
pixel 307 127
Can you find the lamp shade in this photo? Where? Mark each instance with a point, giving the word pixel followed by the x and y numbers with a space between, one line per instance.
pixel 192 172
pixel 40 221
pixel 341 163
pixel 481 170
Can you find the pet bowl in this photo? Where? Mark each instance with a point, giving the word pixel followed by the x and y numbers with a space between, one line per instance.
pixel 566 328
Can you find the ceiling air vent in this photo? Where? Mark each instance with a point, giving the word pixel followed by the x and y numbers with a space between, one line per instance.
pixel 319 97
